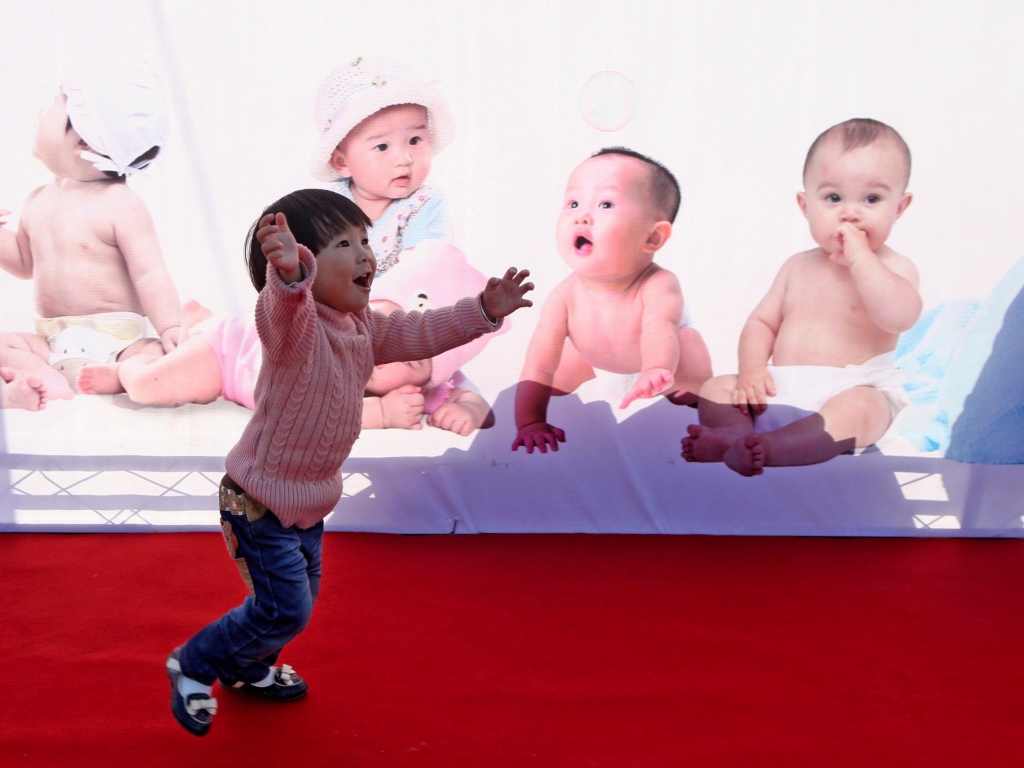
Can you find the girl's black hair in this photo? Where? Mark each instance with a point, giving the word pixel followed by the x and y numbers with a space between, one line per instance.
pixel 315 217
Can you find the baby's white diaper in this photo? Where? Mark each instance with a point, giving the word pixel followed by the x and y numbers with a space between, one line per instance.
pixel 612 387
pixel 686 321
pixel 78 340
pixel 803 389
pixel 608 386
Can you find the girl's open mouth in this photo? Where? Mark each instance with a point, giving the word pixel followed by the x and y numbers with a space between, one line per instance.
pixel 363 281
pixel 583 245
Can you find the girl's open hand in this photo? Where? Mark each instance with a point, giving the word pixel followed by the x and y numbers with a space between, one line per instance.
pixel 279 246
pixel 504 295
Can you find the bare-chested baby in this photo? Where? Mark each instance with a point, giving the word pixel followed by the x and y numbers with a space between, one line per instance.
pixel 618 311
pixel 88 242
pixel 828 325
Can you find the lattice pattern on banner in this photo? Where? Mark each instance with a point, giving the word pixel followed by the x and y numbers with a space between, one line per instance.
pixel 87 497
pixel 927 486
pixel 38 482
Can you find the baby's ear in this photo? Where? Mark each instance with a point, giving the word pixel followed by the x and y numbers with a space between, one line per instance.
pixel 908 198
pixel 801 200
pixel 338 162
pixel 658 236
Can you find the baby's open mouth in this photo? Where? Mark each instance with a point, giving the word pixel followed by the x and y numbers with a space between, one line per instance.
pixel 581 242
pixel 363 281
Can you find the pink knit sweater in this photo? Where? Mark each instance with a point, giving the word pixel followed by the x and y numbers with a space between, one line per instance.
pixel 309 395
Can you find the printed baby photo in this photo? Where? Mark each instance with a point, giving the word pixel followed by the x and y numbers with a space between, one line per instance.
pixel 758 283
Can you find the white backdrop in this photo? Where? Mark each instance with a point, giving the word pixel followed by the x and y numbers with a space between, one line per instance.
pixel 730 97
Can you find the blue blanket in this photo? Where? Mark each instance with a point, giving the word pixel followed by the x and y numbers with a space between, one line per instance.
pixel 964 360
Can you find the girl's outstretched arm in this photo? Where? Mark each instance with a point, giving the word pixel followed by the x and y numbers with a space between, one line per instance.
pixel 285 311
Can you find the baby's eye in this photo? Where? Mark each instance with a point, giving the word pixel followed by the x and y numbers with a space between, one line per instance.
pixel 833 198
pixel 871 199
pixel 381 147
pixel 415 140
pixel 343 244
pixel 573 204
pixel 366 241
pixel 605 204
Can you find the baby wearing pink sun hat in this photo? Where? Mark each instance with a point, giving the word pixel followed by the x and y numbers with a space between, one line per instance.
pixel 379 127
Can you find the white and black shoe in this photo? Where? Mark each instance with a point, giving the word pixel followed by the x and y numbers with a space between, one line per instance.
pixel 195 712
pixel 286 686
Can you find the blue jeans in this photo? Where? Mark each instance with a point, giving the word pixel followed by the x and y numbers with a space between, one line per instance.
pixel 283 569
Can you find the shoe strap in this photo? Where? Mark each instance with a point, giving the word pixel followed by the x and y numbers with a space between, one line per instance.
pixel 194 704
pixel 286 675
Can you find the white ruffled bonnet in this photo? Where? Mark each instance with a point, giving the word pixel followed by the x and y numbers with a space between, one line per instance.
pixel 354 91
pixel 120 115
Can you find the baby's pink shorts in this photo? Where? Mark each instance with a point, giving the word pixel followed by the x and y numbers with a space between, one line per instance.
pixel 238 350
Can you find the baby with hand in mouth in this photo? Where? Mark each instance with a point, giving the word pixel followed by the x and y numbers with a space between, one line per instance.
pixel 618 311
pixel 817 373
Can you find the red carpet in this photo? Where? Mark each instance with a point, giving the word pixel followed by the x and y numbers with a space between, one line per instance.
pixel 533 651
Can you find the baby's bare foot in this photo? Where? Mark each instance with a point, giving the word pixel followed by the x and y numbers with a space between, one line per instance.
pixel 24 392
pixel 746 455
pixel 705 444
pixel 100 379
pixel 54 385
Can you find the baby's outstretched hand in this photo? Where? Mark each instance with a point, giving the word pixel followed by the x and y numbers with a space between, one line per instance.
pixel 504 295
pixel 752 392
pixel 649 384
pixel 854 244
pixel 540 435
pixel 278 245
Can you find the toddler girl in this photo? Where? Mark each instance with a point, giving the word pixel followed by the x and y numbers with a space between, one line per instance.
pixel 379 128
pixel 320 342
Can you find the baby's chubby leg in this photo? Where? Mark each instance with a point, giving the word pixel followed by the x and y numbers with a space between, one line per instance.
pixel 190 373
pixel 572 370
pixel 694 368
pixel 855 418
pixel 25 392
pixel 105 379
pixel 721 423
pixel 29 354
pixel 148 347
